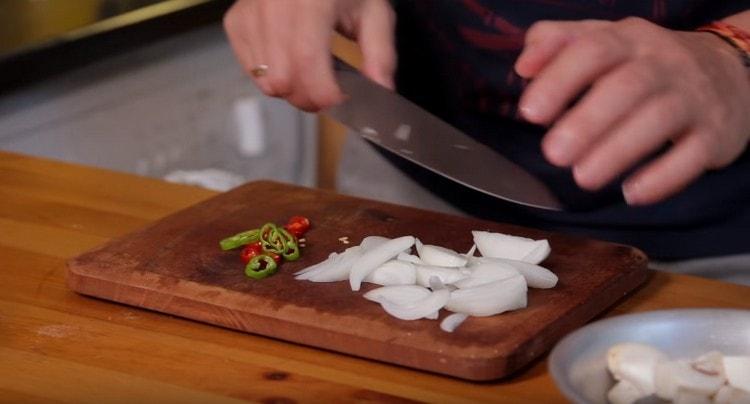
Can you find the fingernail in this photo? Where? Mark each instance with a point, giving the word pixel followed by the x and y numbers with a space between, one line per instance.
pixel 630 192
pixel 559 149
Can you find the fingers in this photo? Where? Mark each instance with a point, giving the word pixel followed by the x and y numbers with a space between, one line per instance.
pixel 572 71
pixel 314 85
pixel 545 39
pixel 669 174
pixel 376 40
pixel 643 132
pixel 613 97
pixel 292 38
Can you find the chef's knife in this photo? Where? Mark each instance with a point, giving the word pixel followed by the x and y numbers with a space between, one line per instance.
pixel 398 125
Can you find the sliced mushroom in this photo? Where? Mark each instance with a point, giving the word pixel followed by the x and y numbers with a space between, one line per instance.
pixel 731 395
pixel 737 369
pixel 673 378
pixel 635 363
pixel 624 392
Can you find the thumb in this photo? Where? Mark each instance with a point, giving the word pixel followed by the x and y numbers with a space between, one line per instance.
pixel 376 41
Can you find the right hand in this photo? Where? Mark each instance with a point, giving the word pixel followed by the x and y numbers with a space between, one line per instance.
pixel 293 38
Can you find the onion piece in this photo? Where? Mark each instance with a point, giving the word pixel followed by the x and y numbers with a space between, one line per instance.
pixel 539 253
pixel 452 321
pixel 370 242
pixel 499 245
pixel 436 283
pixel 419 309
pixel 409 258
pixel 398 294
pixel 333 269
pixel 373 258
pixel 447 275
pixel 471 251
pixel 536 276
pixel 485 272
pixel 491 298
pixel 441 256
pixel 737 370
pixel 393 272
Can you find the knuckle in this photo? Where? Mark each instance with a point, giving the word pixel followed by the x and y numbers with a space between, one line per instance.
pixel 278 86
pixel 542 29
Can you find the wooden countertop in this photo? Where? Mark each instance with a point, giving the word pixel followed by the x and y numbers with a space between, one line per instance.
pixel 56 345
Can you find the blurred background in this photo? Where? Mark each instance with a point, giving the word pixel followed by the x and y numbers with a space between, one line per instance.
pixel 148 87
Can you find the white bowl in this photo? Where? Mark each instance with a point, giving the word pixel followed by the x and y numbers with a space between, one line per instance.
pixel 578 362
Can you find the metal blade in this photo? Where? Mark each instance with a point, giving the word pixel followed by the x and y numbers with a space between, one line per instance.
pixel 398 125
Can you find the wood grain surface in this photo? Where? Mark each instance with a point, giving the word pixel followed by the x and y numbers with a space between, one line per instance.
pixel 59 346
pixel 175 266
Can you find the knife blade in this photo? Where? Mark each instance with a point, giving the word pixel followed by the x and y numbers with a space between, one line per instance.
pixel 394 123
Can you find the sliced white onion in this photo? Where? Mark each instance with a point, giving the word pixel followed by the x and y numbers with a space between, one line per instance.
pixel 316 266
pixel 486 272
pixel 436 283
pixel 373 258
pixel 335 268
pixel 398 294
pixel 418 245
pixel 539 253
pixel 409 258
pixel 471 251
pixel 536 276
pixel 370 242
pixel 441 256
pixel 452 321
pixel 393 272
pixel 491 298
pixel 635 363
pixel 420 309
pixel 447 275
pixel 737 370
pixel 499 245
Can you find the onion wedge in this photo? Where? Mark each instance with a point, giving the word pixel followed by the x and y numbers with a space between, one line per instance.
pixel 393 272
pixel 536 276
pixel 441 256
pixel 446 275
pixel 409 258
pixel 491 298
pixel 485 272
pixel 370 242
pixel 335 268
pixel 499 245
pixel 420 309
pixel 373 258
pixel 398 294
pixel 452 321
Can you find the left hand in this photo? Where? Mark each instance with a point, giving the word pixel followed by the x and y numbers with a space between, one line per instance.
pixel 643 87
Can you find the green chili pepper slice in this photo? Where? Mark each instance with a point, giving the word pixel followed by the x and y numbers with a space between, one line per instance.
pixel 270 239
pixel 239 239
pixel 291 247
pixel 256 270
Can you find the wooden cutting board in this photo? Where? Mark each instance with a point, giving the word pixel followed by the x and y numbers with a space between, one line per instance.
pixel 175 266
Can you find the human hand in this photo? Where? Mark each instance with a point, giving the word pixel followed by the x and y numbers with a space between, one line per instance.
pixel 293 38
pixel 643 87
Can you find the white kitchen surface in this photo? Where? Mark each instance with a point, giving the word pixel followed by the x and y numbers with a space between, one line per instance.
pixel 180 107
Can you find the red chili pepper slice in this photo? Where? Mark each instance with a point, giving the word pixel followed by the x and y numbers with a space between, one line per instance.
pixel 251 250
pixel 298 225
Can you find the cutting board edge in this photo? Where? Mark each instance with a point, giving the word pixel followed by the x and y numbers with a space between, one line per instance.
pixel 476 369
